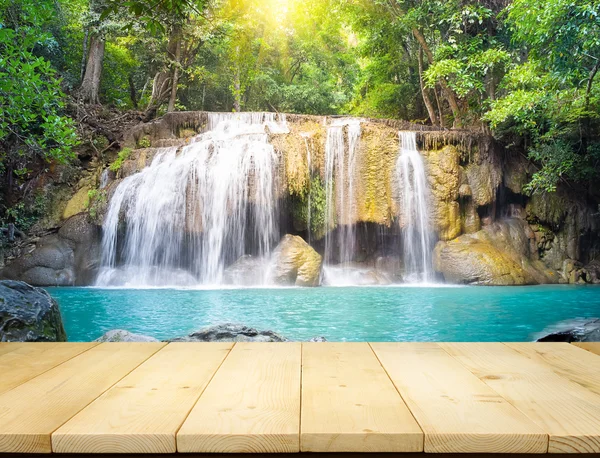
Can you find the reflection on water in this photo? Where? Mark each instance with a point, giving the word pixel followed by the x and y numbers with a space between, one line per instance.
pixel 339 314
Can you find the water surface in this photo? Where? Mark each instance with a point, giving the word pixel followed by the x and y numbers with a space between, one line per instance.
pixel 338 314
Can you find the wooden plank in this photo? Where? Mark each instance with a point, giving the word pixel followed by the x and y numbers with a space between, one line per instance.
pixel 593 347
pixel 6 347
pixel 30 412
pixel 349 404
pixel 252 403
pixel 575 364
pixel 457 412
pixel 30 359
pixel 569 413
pixel 142 412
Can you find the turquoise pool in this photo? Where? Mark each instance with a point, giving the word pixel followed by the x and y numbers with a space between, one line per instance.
pixel 338 314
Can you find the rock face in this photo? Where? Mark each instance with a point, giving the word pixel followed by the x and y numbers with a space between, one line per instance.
pixel 295 262
pixel 120 335
pixel 67 258
pixel 585 331
pixel 28 314
pixel 501 254
pixel 230 332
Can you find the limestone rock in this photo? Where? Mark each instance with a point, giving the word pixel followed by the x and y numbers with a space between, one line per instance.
pixel 69 257
pixel 28 314
pixel 467 260
pixel 230 332
pixel 443 172
pixel 295 262
pixel 503 253
pixel 484 180
pixel 77 204
pixel 121 335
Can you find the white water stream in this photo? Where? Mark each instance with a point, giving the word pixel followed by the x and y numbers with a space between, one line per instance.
pixel 414 211
pixel 182 219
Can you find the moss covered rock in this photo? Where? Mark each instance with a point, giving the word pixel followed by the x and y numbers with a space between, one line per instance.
pixel 28 314
pixel 503 253
pixel 78 203
pixel 295 262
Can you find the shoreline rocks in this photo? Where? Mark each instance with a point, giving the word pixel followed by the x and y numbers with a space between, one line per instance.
pixel 121 335
pixel 29 314
pixel 574 331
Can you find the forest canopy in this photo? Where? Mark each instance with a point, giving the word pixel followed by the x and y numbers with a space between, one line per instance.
pixel 525 70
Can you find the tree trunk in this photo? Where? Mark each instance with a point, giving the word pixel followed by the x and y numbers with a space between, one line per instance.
pixel 90 86
pixel 175 66
pixel 449 93
pixel 237 91
pixel 84 54
pixel 426 99
pixel 132 92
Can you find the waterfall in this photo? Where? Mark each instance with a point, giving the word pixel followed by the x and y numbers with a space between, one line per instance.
pixel 309 200
pixel 193 211
pixel 340 199
pixel 414 212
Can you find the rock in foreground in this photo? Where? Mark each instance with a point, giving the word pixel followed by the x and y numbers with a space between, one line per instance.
pixel 295 262
pixel 121 335
pixel 28 314
pixel 583 331
pixel 230 332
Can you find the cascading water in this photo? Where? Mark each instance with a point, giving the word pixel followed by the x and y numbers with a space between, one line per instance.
pixel 340 200
pixel 182 219
pixel 414 211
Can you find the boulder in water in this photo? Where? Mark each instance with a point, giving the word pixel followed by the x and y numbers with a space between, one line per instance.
pixel 230 332
pixel 295 262
pixel 28 314
pixel 120 335
pixel 574 331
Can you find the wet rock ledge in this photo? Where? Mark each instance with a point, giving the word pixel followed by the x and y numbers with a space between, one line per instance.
pixel 28 314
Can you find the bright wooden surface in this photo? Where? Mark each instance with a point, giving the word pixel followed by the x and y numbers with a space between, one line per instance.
pixel 594 347
pixel 31 412
pixel 287 397
pixel 566 360
pixel 350 404
pixel 142 413
pixel 457 412
pixel 569 413
pixel 252 403
pixel 28 360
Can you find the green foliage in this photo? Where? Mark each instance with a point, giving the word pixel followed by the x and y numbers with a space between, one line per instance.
pixel 316 197
pixel 122 156
pixel 97 200
pixel 32 124
pixel 26 213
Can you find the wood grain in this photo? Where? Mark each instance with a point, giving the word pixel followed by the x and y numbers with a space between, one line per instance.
pixel 252 403
pixel 142 412
pixel 457 412
pixel 349 403
pixel 593 347
pixel 29 359
pixel 568 361
pixel 30 412
pixel 569 413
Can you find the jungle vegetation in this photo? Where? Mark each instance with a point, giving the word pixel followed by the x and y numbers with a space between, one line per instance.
pixel 524 70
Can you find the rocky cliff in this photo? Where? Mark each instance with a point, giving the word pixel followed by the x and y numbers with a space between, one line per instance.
pixel 488 231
